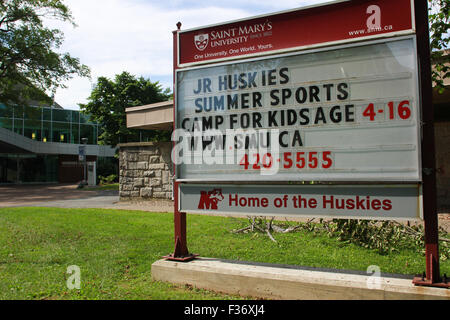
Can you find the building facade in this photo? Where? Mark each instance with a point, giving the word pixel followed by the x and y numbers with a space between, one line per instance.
pixel 42 144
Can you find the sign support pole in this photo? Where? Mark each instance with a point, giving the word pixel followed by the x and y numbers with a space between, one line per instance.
pixel 432 275
pixel 181 252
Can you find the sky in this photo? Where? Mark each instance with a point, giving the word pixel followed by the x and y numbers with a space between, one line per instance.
pixel 113 36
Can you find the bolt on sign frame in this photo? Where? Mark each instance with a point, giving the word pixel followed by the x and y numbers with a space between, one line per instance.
pixel 338 93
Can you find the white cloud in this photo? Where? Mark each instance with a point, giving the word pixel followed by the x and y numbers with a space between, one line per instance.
pixel 136 36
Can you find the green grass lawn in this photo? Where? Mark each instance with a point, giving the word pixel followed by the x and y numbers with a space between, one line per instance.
pixel 115 249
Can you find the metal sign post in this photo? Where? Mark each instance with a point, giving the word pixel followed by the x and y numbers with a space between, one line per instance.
pixel 181 252
pixel 432 275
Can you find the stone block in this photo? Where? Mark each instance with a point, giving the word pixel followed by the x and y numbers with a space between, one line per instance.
pixel 132 156
pixel 134 194
pixel 143 157
pixel 124 193
pixel 149 173
pixel 155 159
pixel 159 195
pixel 155 182
pixel 146 192
pixel 138 182
pixel 166 177
pixel 150 151
pixel 156 166
pixel 127 187
pixel 129 173
pixel 132 165
pixel 141 165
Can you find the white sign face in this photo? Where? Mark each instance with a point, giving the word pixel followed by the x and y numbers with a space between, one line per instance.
pixel 344 114
pixel 379 202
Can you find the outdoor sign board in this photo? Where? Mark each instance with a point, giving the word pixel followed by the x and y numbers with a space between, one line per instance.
pixel 380 202
pixel 81 153
pixel 349 113
pixel 324 94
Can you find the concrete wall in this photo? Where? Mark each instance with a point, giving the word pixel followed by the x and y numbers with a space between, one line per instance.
pixel 145 170
pixel 156 116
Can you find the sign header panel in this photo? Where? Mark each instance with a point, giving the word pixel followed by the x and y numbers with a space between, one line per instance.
pixel 340 22
pixel 380 202
pixel 342 114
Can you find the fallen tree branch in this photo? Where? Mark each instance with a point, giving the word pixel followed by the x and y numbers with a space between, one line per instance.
pixel 270 236
pixel 413 232
pixel 262 225
pixel 242 230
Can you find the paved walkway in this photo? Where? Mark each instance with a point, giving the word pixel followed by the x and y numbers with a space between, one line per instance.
pixel 68 196
pixel 51 195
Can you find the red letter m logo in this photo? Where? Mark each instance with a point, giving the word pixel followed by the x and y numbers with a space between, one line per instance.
pixel 209 200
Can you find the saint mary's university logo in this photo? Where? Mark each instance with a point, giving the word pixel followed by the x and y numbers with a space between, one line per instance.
pixel 210 199
pixel 201 41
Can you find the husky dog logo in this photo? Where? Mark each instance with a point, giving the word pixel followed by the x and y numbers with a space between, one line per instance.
pixel 201 41
pixel 209 200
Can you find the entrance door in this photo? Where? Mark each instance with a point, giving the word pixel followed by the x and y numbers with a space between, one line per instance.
pixel 3 170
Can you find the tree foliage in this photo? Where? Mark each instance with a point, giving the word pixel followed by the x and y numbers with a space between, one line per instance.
pixel 110 98
pixel 439 40
pixel 30 67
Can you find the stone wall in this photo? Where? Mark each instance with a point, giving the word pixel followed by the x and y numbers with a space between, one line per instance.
pixel 145 170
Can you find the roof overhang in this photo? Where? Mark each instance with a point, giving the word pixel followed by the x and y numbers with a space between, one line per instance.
pixel 156 116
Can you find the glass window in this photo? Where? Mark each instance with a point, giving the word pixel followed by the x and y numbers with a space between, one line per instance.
pixel 62 115
pixel 95 134
pixel 75 133
pixel 46 131
pixel 61 132
pixel 32 113
pixel 11 170
pixel 84 118
pixel 32 129
pixel 6 112
pixel 39 168
pixel 18 112
pixel 49 124
pixel 75 116
pixel 18 126
pixel 87 131
pixel 47 114
pixel 6 123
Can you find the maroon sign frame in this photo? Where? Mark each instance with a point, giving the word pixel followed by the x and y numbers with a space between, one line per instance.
pixel 325 24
